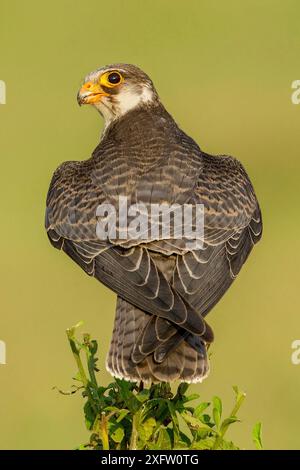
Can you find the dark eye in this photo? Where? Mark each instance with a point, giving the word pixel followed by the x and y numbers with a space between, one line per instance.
pixel 114 78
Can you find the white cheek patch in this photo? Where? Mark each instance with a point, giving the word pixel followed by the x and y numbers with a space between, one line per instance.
pixel 147 95
pixel 127 99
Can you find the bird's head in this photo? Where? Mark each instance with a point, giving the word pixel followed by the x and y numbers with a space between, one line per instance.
pixel 116 89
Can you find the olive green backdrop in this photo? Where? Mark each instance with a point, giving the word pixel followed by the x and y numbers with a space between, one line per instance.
pixel 224 71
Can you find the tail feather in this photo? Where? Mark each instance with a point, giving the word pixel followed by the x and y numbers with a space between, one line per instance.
pixel 143 350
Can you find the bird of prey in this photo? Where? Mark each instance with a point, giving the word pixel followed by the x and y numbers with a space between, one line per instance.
pixel 165 287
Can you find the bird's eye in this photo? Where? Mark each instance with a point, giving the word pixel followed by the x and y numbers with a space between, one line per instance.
pixel 114 78
pixel 111 79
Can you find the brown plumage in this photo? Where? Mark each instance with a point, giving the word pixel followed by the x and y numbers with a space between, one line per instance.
pixel 164 288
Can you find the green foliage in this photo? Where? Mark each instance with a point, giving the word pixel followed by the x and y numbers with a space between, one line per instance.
pixel 125 415
pixel 256 436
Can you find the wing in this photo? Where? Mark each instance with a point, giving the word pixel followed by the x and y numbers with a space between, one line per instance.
pixel 131 273
pixel 227 194
pixel 232 225
pixel 179 289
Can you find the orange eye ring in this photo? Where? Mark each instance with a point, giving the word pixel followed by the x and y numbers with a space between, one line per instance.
pixel 111 79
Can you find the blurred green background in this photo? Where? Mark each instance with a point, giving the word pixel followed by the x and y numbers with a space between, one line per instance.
pixel 224 71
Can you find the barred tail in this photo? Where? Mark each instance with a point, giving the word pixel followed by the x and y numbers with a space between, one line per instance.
pixel 150 349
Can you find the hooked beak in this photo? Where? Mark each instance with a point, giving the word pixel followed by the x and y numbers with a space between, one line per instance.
pixel 90 93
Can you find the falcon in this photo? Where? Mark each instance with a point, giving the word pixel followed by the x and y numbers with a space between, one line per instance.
pixel 165 286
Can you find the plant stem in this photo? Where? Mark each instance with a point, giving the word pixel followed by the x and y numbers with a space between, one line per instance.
pixel 233 413
pixel 238 404
pixel 104 432
pixel 134 432
pixel 76 354
pixel 82 374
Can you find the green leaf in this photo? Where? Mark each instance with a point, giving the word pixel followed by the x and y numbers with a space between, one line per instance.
pixel 164 440
pixel 200 408
pixel 217 411
pixel 217 404
pixel 111 408
pixel 238 392
pixel 118 434
pixel 203 444
pixel 227 445
pixel 146 428
pixel 192 397
pixel 122 414
pixel 93 347
pixel 82 447
pixel 181 441
pixel 126 393
pixel 77 377
pixel 239 398
pixel 143 395
pixel 180 445
pixel 161 418
pixel 89 415
pixel 203 433
pixel 195 423
pixel 226 423
pixel 184 438
pixel 205 419
pixel 174 418
pixel 256 436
